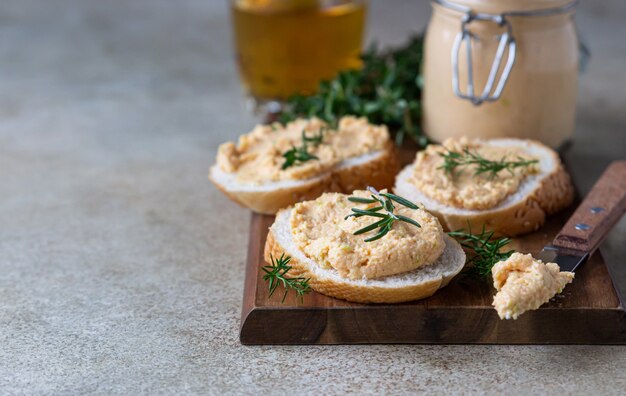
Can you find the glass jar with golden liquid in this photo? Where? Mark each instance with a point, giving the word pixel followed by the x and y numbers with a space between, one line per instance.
pixel 286 47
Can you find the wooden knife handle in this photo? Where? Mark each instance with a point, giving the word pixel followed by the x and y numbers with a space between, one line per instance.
pixel 597 214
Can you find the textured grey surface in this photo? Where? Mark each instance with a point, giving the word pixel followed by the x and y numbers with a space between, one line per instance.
pixel 121 267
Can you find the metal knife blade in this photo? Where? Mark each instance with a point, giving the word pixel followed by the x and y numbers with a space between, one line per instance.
pixel 567 261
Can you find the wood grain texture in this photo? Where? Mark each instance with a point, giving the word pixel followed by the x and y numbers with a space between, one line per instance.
pixel 601 209
pixel 589 310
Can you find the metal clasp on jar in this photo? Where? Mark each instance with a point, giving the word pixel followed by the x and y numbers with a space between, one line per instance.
pixel 505 39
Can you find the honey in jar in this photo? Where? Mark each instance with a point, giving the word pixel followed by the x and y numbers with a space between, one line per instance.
pixel 287 47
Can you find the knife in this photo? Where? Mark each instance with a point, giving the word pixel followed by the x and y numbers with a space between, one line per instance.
pixel 591 222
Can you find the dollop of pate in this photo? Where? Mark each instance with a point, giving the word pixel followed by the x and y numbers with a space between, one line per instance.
pixel 320 230
pixel 524 283
pixel 258 156
pixel 464 189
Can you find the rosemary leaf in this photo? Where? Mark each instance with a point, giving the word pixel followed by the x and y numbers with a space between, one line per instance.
pixel 298 155
pixel 387 218
pixel 371 227
pixel 383 231
pixel 374 209
pixel 408 220
pixel 369 213
pixel 485 251
pixel 386 90
pixel 361 200
pixel 400 200
pixel 454 160
pixel 276 274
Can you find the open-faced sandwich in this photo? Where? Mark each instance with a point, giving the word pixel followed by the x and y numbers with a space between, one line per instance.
pixel 506 185
pixel 277 165
pixel 368 247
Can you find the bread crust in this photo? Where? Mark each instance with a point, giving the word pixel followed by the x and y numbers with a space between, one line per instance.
pixel 347 290
pixel 379 173
pixel 553 193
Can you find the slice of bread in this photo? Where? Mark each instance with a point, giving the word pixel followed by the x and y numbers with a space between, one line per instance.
pixel 413 285
pixel 377 169
pixel 540 195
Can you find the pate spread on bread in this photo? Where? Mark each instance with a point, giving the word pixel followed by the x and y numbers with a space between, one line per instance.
pixel 258 156
pixel 511 201
pixel 408 263
pixel 320 230
pixel 463 188
pixel 257 171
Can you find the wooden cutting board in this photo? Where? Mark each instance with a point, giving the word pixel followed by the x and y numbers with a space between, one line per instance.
pixel 589 311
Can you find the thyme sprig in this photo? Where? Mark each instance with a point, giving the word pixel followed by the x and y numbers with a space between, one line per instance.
pixel 454 160
pixel 484 250
pixel 384 211
pixel 386 90
pixel 298 155
pixel 276 274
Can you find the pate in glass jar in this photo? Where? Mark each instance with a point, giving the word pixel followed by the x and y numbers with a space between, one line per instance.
pixel 501 68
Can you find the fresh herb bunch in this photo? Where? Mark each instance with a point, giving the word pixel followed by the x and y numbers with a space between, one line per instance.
pixel 276 273
pixel 484 249
pixel 454 160
pixel 384 212
pixel 386 90
pixel 298 155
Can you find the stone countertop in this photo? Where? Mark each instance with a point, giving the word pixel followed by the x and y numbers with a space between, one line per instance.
pixel 121 266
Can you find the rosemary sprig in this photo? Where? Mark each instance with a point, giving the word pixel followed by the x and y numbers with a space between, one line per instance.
pixel 386 90
pixel 454 160
pixel 298 155
pixel 484 249
pixel 384 211
pixel 275 274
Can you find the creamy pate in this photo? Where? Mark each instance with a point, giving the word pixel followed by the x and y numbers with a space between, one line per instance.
pixel 524 283
pixel 539 97
pixel 320 230
pixel 258 156
pixel 462 188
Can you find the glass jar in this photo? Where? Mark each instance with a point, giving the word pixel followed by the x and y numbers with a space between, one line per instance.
pixel 501 68
pixel 286 47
